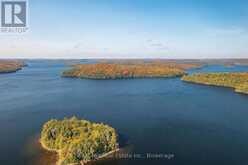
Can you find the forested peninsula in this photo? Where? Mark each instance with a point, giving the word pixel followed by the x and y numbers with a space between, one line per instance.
pixel 238 81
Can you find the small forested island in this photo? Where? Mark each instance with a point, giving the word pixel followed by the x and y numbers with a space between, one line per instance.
pixel 9 66
pixel 78 141
pixel 127 70
pixel 238 81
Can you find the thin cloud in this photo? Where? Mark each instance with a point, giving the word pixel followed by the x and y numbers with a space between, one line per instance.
pixel 231 31
pixel 156 44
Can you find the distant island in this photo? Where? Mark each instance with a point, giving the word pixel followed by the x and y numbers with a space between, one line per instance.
pixel 9 66
pixel 128 70
pixel 238 81
pixel 78 141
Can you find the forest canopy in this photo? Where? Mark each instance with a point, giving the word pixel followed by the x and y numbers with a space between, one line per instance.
pixel 77 141
pixel 121 71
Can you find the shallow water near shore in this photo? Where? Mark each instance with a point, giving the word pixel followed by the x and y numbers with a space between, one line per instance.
pixel 197 124
pixel 37 155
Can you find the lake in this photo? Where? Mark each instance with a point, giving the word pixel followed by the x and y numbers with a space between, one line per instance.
pixel 197 124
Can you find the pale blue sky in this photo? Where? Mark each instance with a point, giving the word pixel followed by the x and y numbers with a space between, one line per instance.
pixel 132 29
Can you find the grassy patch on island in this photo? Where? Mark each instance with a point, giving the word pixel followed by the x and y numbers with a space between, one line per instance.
pixel 238 81
pixel 78 141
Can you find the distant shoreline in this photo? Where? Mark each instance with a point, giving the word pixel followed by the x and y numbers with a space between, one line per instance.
pixel 11 66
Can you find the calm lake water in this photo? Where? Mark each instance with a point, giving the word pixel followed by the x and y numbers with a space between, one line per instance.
pixel 198 124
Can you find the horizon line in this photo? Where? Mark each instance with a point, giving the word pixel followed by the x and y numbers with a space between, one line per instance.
pixel 124 58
